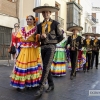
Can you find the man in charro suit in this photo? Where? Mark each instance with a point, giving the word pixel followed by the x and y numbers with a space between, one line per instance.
pixel 50 33
pixel 75 43
pixel 87 43
pixel 95 50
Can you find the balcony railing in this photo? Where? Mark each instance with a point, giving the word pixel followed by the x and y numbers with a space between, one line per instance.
pixel 59 19
pixel 93 19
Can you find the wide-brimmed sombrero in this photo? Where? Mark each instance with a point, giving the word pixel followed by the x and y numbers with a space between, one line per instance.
pixel 46 7
pixel 96 34
pixel 68 33
pixel 88 34
pixel 79 28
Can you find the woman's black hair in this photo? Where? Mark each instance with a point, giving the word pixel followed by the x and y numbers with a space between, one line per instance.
pixel 15 24
pixel 32 18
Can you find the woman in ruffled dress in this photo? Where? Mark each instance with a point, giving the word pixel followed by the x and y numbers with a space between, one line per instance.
pixel 58 67
pixel 28 70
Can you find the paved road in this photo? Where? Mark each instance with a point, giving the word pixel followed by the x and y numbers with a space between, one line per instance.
pixel 65 89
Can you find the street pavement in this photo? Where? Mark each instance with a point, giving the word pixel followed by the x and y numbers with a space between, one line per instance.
pixel 65 89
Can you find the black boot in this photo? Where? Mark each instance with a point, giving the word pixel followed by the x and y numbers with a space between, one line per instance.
pixel 91 67
pixel 21 90
pixel 71 77
pixel 39 92
pixel 50 88
pixel 87 70
pixel 96 67
pixel 84 71
pixel 74 74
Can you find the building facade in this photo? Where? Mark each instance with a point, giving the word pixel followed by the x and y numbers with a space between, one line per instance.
pixel 8 17
pixel 26 8
pixel 88 20
pixel 71 13
pixel 96 14
pixel 96 28
pixel 79 12
pixel 74 11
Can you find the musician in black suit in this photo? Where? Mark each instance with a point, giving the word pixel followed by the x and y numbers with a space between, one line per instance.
pixel 50 33
pixel 75 42
pixel 95 50
pixel 87 43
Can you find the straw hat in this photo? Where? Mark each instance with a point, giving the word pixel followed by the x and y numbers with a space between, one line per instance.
pixel 46 7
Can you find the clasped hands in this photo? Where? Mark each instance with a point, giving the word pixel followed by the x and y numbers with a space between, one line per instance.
pixel 43 36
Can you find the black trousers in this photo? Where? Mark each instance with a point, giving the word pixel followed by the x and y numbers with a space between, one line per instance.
pixel 47 52
pixel 73 57
pixel 88 59
pixel 95 54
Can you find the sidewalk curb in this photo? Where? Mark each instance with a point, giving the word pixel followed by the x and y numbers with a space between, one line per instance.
pixel 6 62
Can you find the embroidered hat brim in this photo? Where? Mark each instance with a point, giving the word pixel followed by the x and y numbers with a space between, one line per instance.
pixel 88 34
pixel 79 28
pixel 98 35
pixel 68 33
pixel 46 7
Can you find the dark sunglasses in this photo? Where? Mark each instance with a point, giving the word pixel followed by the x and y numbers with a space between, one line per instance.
pixel 29 19
pixel 16 26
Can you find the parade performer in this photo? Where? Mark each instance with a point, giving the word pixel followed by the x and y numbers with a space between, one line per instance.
pixel 75 42
pixel 58 66
pixel 50 33
pixel 28 70
pixel 87 43
pixel 81 59
pixel 95 50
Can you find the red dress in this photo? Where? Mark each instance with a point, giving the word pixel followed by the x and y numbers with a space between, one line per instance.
pixel 14 40
pixel 80 54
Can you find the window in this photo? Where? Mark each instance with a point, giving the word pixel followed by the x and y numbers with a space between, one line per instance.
pixel 12 0
pixel 89 29
pixel 76 16
pixel 94 29
pixel 85 27
pixel 73 14
pixel 5 38
pixel 72 0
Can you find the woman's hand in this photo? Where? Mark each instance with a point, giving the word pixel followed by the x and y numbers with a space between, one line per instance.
pixel 43 36
pixel 68 47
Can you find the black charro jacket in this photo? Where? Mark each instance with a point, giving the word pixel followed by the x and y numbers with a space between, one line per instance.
pixel 54 36
pixel 96 45
pixel 76 43
pixel 88 47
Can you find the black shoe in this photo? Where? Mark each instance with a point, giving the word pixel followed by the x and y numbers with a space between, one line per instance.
pixel 87 70
pixel 84 71
pixel 91 67
pixel 96 67
pixel 74 74
pixel 71 77
pixel 28 88
pixel 20 90
pixel 38 93
pixel 50 88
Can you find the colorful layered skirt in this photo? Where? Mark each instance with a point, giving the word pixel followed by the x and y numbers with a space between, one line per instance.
pixel 80 62
pixel 58 67
pixel 28 69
